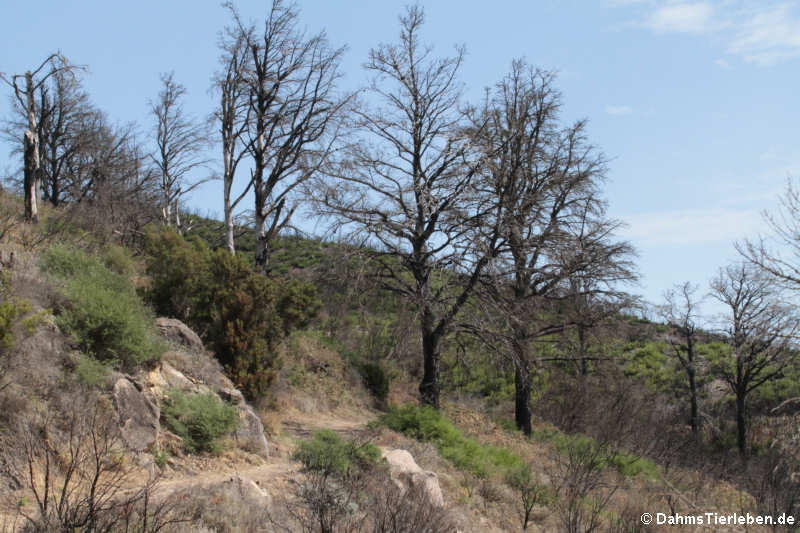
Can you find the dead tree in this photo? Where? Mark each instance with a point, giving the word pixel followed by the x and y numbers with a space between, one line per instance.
pixel 232 116
pixel 779 258
pixel 543 181
pixel 681 314
pixel 759 329
pixel 179 142
pixel 405 184
pixel 25 87
pixel 61 106
pixel 293 116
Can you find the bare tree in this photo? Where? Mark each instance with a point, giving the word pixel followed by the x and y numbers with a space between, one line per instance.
pixel 61 107
pixel 232 115
pixel 293 115
pixel 543 183
pixel 405 185
pixel 25 87
pixel 681 313
pixel 759 329
pixel 781 258
pixel 594 298
pixel 179 142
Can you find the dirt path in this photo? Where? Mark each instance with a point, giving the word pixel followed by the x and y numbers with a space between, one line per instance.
pixel 276 472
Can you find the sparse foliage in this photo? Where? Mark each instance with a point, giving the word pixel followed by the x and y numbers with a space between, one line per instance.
pixel 179 141
pixel 405 182
pixel 289 81
pixel 541 185
pixel 681 314
pixel 759 328
pixel 25 88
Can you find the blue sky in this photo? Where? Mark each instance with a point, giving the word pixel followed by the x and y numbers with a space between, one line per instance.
pixel 695 103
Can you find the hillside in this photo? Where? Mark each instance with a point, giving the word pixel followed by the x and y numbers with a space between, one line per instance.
pixel 93 387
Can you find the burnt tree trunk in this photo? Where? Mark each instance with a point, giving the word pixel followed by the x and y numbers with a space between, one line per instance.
pixel 429 388
pixel 741 424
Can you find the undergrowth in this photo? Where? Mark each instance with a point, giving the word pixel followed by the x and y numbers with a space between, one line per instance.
pixel 101 310
pixel 427 424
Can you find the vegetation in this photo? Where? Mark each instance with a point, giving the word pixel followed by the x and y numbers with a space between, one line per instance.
pixel 199 419
pixel 11 311
pixel 427 424
pixel 330 455
pixel 240 313
pixel 480 261
pixel 101 309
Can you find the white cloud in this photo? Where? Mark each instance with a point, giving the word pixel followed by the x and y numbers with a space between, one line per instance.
pixel 768 36
pixel 692 226
pixel 686 17
pixel 758 32
pixel 722 63
pixel 618 109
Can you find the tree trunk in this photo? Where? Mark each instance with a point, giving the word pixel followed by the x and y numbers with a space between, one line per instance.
pixel 429 388
pixel 522 398
pixel 741 424
pixel 31 171
pixel 694 417
pixel 584 365
pixel 229 229
pixel 262 240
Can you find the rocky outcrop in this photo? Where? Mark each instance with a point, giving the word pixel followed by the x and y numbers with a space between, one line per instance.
pixel 194 371
pixel 250 433
pixel 405 472
pixel 179 333
pixel 138 415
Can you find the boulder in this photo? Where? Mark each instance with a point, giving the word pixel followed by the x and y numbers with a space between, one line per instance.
pixel 250 433
pixel 178 332
pixel 406 472
pixel 138 415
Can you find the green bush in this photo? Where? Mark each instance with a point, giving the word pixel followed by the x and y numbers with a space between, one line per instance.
pixel 240 313
pixel 330 455
pixel 199 419
pixel 102 311
pixel 90 371
pixel 427 424
pixel 376 378
pixel 11 311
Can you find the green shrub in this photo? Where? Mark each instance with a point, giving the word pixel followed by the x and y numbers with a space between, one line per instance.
pixel 102 312
pixel 330 455
pixel 376 378
pixel 118 259
pixel 427 424
pixel 90 371
pixel 199 419
pixel 11 311
pixel 240 313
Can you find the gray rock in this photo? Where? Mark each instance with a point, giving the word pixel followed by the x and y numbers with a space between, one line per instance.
pixel 250 434
pixel 178 332
pixel 405 472
pixel 138 415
